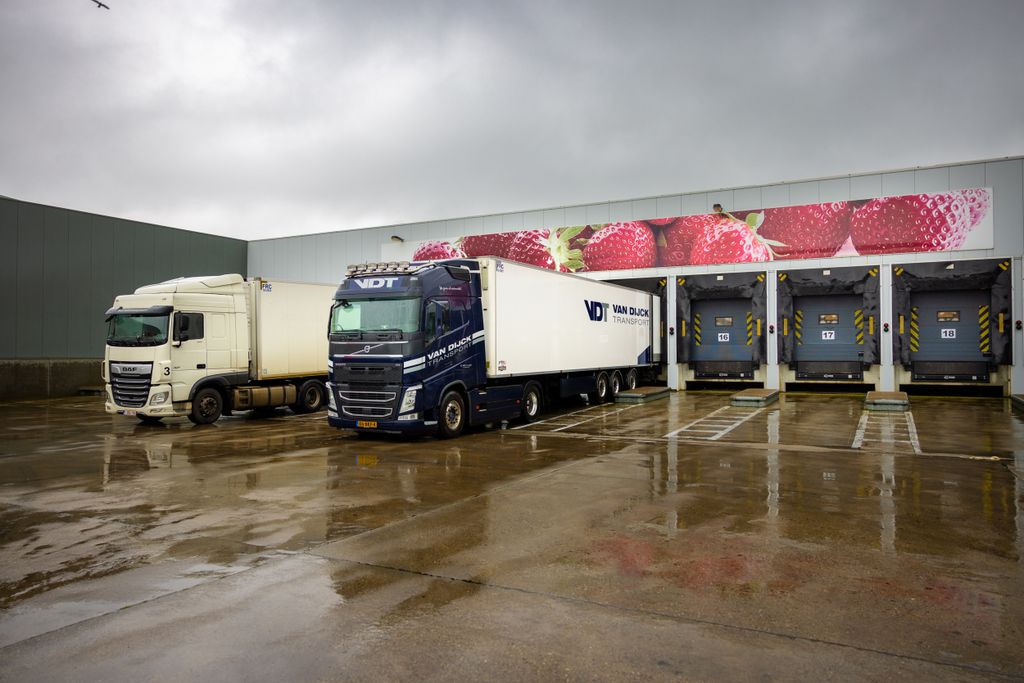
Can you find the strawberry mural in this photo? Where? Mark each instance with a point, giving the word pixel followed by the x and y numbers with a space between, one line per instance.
pixel 906 224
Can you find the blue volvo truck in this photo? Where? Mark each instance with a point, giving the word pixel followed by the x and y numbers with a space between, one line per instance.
pixel 433 347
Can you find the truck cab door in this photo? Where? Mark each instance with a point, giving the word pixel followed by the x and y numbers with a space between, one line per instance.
pixel 188 353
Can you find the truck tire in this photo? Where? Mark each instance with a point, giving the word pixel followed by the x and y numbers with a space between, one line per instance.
pixel 310 397
pixel 616 384
pixel 207 405
pixel 600 393
pixel 451 418
pixel 533 401
pixel 631 379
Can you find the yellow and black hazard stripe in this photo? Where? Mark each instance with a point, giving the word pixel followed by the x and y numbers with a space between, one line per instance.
pixel 873 272
pixel 681 281
pixel 858 323
pixel 662 282
pixel 984 329
pixel 915 329
pixel 898 270
pixel 785 327
pixel 760 277
pixel 696 329
pixel 750 328
pixel 798 324
pixel 783 276
pixel 1003 265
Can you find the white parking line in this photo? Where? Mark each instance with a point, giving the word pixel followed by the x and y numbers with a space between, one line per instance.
pixel 715 425
pixel 884 429
pixel 613 412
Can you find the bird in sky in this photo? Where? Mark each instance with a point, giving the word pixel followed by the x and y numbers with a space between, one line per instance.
pixel 100 4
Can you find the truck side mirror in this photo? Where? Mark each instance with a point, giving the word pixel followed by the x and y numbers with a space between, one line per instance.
pixel 180 328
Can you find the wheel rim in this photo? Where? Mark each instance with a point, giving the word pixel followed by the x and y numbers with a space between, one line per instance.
pixel 631 380
pixel 208 406
pixel 602 386
pixel 453 415
pixel 531 403
pixel 312 397
pixel 616 385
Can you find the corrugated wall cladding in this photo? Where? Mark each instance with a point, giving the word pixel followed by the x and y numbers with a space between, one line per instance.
pixel 322 258
pixel 61 269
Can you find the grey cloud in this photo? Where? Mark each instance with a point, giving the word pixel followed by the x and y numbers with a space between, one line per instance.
pixel 266 118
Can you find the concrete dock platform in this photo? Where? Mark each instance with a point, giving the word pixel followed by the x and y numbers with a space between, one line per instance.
pixel 1017 401
pixel 755 397
pixel 642 394
pixel 887 400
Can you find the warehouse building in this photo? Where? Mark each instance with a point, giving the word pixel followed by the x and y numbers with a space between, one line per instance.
pixel 881 310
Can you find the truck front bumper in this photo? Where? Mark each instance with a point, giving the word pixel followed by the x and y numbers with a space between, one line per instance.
pixel 165 409
pixel 409 427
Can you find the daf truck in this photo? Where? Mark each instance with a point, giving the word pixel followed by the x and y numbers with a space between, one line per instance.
pixel 202 347
pixel 433 347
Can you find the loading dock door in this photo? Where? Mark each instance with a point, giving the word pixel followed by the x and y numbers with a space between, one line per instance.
pixel 830 333
pixel 950 335
pixel 722 339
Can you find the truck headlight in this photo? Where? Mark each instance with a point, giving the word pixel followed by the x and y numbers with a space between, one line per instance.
pixel 408 400
pixel 331 405
pixel 159 399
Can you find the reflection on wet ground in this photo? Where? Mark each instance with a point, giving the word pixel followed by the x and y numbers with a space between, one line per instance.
pixel 793 529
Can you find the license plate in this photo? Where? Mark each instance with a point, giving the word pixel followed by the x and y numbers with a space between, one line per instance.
pixel 129 413
pixel 367 424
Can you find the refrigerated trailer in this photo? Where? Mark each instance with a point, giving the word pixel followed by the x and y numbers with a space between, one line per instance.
pixel 200 347
pixel 426 347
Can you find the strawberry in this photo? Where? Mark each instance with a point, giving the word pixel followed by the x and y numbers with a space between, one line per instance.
pixel 434 250
pixel 551 249
pixel 660 222
pixel 495 244
pixel 730 241
pixel 810 231
pixel 920 222
pixel 676 239
pixel 978 204
pixel 621 245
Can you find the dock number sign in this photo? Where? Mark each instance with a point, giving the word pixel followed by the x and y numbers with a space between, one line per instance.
pixel 723 336
pixel 828 335
pixel 947 333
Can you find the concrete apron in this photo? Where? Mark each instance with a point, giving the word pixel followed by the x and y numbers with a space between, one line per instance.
pixel 679 538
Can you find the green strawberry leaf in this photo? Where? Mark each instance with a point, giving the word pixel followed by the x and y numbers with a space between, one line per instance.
pixel 567 234
pixel 754 220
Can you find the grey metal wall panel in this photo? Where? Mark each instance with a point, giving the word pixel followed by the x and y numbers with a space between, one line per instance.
pixel 834 190
pixel 145 244
pixel 645 208
pixel 81 312
pixel 8 278
pixel 533 220
pixel 574 215
pixel 666 207
pixel 748 198
pixel 104 287
pixel 620 211
pixel 898 183
pixel 55 283
pixel 865 187
pixel 727 198
pixel 1005 179
pixel 775 195
pixel 966 175
pixel 804 193
pixel 931 180
pixel 598 213
pixel 31 229
pixel 695 203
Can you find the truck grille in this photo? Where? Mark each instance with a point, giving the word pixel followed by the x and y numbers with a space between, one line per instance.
pixel 129 383
pixel 367 396
pixel 366 411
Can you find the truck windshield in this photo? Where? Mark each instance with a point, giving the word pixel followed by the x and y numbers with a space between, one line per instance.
pixel 136 330
pixel 370 315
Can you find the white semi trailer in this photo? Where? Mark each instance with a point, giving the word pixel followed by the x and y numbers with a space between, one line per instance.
pixel 430 347
pixel 201 347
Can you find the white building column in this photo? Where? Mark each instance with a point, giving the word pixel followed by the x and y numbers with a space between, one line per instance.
pixel 887 371
pixel 671 332
pixel 771 370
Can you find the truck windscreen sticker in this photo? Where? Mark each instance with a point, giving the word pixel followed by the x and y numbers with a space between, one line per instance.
pixel 617 313
pixel 375 282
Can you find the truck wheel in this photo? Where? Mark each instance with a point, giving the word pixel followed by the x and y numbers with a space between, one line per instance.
pixel 311 397
pixel 616 384
pixel 452 417
pixel 532 402
pixel 631 379
pixel 600 393
pixel 207 405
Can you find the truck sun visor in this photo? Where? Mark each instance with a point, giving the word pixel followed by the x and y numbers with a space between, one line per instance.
pixel 152 310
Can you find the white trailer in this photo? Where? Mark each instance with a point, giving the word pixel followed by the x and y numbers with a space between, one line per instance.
pixel 203 346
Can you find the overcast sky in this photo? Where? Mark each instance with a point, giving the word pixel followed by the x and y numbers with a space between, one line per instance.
pixel 266 118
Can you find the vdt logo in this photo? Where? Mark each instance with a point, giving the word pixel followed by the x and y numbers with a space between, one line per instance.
pixel 596 310
pixel 376 282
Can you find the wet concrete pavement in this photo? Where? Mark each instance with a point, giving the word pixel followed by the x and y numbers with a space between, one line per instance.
pixel 676 539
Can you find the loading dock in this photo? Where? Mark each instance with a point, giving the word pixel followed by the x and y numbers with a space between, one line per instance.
pixel 827 324
pixel 952 323
pixel 721 327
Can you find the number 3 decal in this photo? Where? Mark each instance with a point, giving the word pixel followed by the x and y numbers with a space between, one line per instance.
pixel 167 370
